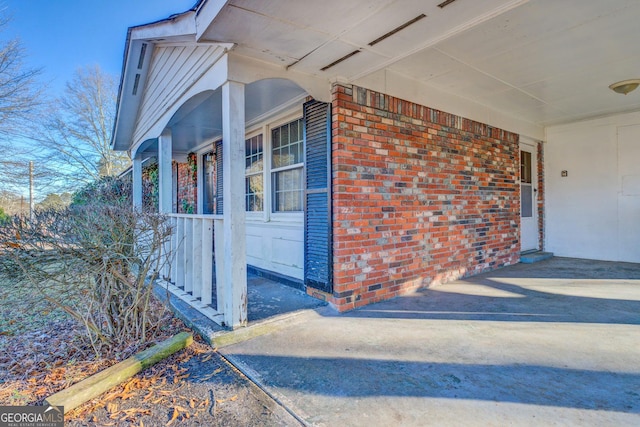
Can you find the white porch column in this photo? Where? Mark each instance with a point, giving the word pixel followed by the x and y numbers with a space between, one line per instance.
pixel 165 184
pixel 136 179
pixel 235 250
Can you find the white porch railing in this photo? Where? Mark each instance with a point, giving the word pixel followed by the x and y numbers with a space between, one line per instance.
pixel 191 263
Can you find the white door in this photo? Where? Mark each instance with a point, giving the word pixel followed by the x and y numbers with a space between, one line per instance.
pixel 629 193
pixel 528 197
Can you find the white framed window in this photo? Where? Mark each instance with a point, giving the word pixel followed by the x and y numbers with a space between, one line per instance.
pixel 254 174
pixel 287 167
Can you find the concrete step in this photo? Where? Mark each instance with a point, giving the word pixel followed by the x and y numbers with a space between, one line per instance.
pixel 531 257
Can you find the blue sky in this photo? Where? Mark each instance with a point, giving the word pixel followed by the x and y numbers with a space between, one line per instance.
pixel 63 35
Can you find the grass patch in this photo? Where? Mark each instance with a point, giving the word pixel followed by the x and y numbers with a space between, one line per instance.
pixel 22 310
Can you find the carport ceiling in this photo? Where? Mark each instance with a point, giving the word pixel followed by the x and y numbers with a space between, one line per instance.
pixel 545 61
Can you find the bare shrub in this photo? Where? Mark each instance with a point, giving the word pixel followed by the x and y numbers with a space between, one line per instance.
pixel 96 260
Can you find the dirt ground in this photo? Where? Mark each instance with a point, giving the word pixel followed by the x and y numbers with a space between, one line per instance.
pixel 195 387
pixel 40 354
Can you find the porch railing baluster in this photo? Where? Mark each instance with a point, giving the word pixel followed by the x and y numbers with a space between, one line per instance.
pixel 180 252
pixel 191 247
pixel 174 248
pixel 207 260
pixel 219 262
pixel 196 258
pixel 188 259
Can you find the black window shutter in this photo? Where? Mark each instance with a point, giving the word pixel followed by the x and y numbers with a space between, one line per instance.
pixel 317 196
pixel 219 189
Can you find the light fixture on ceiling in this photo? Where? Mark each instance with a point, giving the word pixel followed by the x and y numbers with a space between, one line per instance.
pixel 625 86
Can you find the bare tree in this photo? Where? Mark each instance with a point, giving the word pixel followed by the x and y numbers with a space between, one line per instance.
pixel 21 97
pixel 20 94
pixel 77 135
pixel 68 138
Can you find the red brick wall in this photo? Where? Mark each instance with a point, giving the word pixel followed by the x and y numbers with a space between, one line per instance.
pixel 420 197
pixel 187 188
pixel 540 194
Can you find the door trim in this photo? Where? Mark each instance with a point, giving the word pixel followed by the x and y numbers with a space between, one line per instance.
pixel 529 224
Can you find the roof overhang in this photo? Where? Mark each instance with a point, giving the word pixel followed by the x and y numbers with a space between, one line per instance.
pixel 517 64
pixel 139 46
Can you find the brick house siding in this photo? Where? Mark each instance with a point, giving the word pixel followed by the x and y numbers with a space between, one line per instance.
pixel 420 197
pixel 187 188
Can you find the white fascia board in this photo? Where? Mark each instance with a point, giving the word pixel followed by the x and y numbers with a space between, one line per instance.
pixel 130 93
pixel 205 15
pixel 177 28
pixel 181 26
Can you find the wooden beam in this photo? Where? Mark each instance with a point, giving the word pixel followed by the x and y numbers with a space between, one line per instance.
pixel 165 172
pixel 136 174
pixel 235 245
pixel 95 385
pixel 207 260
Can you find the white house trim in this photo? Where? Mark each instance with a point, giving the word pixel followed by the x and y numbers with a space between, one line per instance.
pixel 136 173
pixel 395 84
pixel 165 184
pixel 235 263
pixel 159 107
pixel 248 70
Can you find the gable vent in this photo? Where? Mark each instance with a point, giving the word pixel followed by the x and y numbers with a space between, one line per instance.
pixel 445 3
pixel 337 61
pixel 136 82
pixel 398 29
pixel 141 58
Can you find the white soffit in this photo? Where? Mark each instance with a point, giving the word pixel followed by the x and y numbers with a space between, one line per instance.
pixel 541 61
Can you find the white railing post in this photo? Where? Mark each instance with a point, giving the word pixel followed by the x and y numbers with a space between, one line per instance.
pixel 218 251
pixel 180 252
pixel 164 252
pixel 174 249
pixel 196 257
pixel 188 251
pixel 207 260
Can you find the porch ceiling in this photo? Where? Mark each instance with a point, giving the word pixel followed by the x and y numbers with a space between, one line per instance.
pixel 542 61
pixel 200 118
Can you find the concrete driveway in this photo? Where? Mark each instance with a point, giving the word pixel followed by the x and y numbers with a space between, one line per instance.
pixel 551 343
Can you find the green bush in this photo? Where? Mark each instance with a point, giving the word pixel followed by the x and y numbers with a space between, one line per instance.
pixel 4 218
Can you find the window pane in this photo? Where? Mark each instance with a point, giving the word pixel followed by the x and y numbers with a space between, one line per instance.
pixel 293 132
pixel 287 144
pixel 527 200
pixel 253 154
pixel 525 166
pixel 209 178
pixel 288 190
pixel 254 193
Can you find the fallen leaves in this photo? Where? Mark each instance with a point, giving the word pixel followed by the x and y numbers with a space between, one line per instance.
pixel 38 362
pixel 164 385
pixel 230 399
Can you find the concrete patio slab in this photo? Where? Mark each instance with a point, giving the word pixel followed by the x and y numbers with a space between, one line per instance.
pixel 271 305
pixel 551 343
